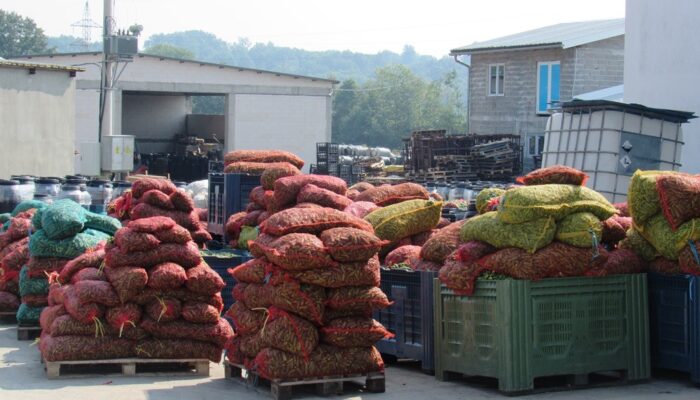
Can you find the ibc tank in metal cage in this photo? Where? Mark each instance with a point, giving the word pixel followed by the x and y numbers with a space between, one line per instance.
pixel 610 140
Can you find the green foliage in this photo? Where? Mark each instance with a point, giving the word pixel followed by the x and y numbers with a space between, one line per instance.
pixel 168 50
pixel 68 44
pixel 20 35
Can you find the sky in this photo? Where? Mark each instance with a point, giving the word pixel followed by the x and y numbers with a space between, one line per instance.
pixel 432 27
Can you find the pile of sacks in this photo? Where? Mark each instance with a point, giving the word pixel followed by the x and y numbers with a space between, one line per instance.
pixel 147 294
pixel 664 206
pixel 304 304
pixel 14 253
pixel 62 231
pixel 152 197
pixel 551 227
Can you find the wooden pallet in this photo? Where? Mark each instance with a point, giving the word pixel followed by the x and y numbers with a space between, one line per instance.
pixel 281 389
pixel 9 317
pixel 127 367
pixel 28 332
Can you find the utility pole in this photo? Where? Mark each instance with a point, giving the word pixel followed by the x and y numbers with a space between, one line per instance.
pixel 108 62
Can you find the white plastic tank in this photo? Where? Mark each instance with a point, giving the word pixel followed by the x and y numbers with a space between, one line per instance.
pixel 610 141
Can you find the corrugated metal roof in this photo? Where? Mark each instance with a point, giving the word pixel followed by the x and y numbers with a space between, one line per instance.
pixel 50 67
pixel 564 36
pixel 613 93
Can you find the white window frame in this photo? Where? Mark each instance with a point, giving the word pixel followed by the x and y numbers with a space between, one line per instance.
pixel 549 85
pixel 488 78
pixel 538 150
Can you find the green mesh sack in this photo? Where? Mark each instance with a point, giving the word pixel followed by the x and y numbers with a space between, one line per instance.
pixel 29 286
pixel 635 242
pixel 248 233
pixel 5 217
pixel 405 219
pixel 36 219
pixel 102 223
pixel 28 315
pixel 580 230
pixel 42 246
pixel 484 196
pixel 529 203
pixel 63 219
pixel 28 205
pixel 529 236
pixel 642 196
pixel 667 242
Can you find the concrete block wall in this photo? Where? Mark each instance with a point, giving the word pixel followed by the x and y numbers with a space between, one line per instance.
pixel 599 65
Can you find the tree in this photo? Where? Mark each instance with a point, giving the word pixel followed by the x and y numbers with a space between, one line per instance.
pixel 20 36
pixel 168 50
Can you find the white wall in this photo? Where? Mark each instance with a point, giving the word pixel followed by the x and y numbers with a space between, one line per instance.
pixel 292 123
pixel 662 60
pixel 37 122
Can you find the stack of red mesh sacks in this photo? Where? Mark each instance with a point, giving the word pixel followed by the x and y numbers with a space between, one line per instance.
pixel 147 294
pixel 14 253
pixel 303 306
pixel 151 197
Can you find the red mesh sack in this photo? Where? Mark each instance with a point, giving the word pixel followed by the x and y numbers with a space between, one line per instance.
pixel 262 218
pixel 246 321
pixel 313 221
pixel 460 276
pixel 663 266
pixel 92 258
pixel 350 244
pixel 204 280
pixel 623 209
pixel 287 188
pixel 234 355
pixel 253 207
pixel 306 301
pixel 428 266
pixel 88 274
pixel 186 255
pixel 361 186
pixel 35 300
pixel 123 318
pixel 156 198
pixel 331 314
pixel 354 332
pixel 620 261
pixel 473 251
pixel 128 282
pixel 39 266
pixel 95 292
pixel 402 255
pixel 200 313
pixel 347 274
pixel 83 312
pixel 555 174
pixel 186 220
pixel 48 315
pixel 679 197
pixel 420 239
pixel 253 295
pixel 352 194
pixel 8 302
pixel 360 209
pixel 235 223
pixel 246 167
pixel 201 236
pixel 182 201
pixel 182 294
pixel 313 194
pixel 251 345
pixel 615 229
pixel 442 243
pixel 166 276
pixel 65 325
pixel 13 246
pixel 263 156
pixel 16 259
pixel 129 240
pixel 143 185
pixel 176 234
pixel 357 298
pixel 689 258
pixel 275 171
pixel 218 333
pixel 152 224
pixel 289 333
pixel 18 229
pixel 168 349
pixel 164 309
pixel 252 271
pixel 56 293
pixel 443 223
pixel 257 196
pixel 387 195
pixel 298 252
pixel 76 348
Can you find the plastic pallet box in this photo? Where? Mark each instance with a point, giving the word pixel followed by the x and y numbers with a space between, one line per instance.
pixel 222 260
pixel 674 311
pixel 519 330
pixel 228 194
pixel 410 318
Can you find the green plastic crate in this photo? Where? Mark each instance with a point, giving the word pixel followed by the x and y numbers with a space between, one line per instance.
pixel 517 330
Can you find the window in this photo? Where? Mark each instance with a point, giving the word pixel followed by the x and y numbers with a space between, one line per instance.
pixel 496 74
pixel 535 145
pixel 548 74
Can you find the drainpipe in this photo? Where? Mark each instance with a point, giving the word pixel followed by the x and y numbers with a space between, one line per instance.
pixel 469 102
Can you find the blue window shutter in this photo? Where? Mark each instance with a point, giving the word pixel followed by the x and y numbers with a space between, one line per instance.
pixel 544 85
pixel 555 83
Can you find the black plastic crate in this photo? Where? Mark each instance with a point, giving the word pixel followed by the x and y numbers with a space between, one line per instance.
pixel 410 317
pixel 228 194
pixel 327 148
pixel 222 260
pixel 216 166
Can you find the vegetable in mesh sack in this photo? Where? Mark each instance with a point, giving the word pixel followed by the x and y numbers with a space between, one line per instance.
pixel 667 242
pixel 252 271
pixel 123 318
pixel 420 239
pixel 182 201
pixel 636 242
pixel 350 244
pixel 246 321
pixel 13 246
pixel 623 209
pixel 248 234
pixel 83 312
pixel 65 325
pixel 152 224
pixel 201 236
pixel 76 348
pixel 253 295
pixel 177 349
pixel 63 219
pixel 235 223
pixel 164 309
pixel 234 355
pixel 42 246
pixel 361 186
pixel 289 333
pixel 664 266
pixel 200 313
pixel 156 198
pixel 166 276
pixel 615 229
pixel 48 315
pixel 326 198
pixel 363 273
pixel 56 293
pixel 580 230
pixel 129 240
pixel 560 174
pixel 620 261
pixel 360 209
pixel 186 255
pixel 679 198
pixel 489 228
pixel 306 301
pixel 287 188
pixel 275 171
pixel 423 265
pixel 27 205
pixel 128 282
pixel 176 234
pixel 29 285
pixel 689 259
pixel 27 315
pixel 204 280
pixel 402 220
pixel 217 333
pixel 8 302
pixel 95 292
pixel 263 241
pixel 387 195
pixel 354 332
pixel 298 252
pixel 102 223
pixel 357 298
pixel 35 300
pixel 246 167
pixel 251 345
pixel 485 196
pixel 187 220
pixel 143 185
pixel 5 217
pixel 352 194
pixel 182 294
pixel 91 258
pixel 18 229
pixel 442 243
pixel 402 255
pixel 643 199
pixel 88 274
pixel 257 196
pixel 16 259
pixel 313 221
pixel 263 156
pixel 324 361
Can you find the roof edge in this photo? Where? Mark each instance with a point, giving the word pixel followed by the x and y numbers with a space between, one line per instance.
pixel 557 45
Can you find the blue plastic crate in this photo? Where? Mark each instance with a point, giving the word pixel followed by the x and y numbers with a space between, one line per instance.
pixel 228 194
pixel 674 308
pixel 410 318
pixel 224 260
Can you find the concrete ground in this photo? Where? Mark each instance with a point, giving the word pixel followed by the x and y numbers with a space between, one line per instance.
pixel 22 377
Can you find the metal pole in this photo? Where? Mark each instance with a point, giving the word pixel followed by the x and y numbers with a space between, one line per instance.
pixel 107 70
pixel 469 89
